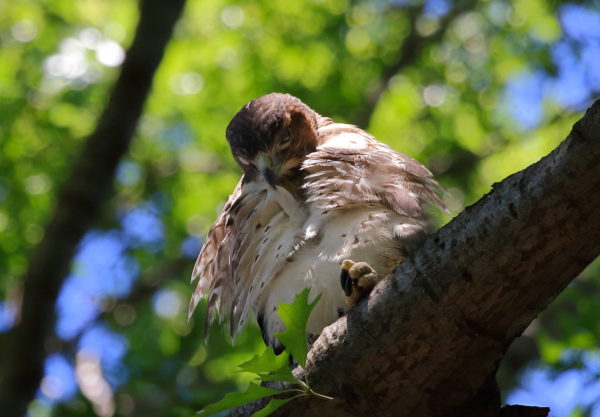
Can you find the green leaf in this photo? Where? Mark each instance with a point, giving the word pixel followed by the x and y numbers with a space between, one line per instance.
pixel 273 405
pixel 234 399
pixel 269 367
pixel 264 362
pixel 295 316
pixel 282 374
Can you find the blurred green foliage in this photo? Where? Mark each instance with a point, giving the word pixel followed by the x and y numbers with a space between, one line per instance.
pixel 446 105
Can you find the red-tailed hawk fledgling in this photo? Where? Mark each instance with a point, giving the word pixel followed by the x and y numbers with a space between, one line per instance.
pixel 314 194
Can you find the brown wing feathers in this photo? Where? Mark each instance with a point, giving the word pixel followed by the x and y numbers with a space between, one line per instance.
pixel 212 267
pixel 343 177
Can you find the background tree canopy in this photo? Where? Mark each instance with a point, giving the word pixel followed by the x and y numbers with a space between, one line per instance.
pixel 476 90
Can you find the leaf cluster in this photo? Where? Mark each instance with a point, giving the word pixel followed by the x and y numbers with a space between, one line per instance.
pixel 268 367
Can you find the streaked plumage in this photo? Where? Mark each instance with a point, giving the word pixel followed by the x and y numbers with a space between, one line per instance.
pixel 327 192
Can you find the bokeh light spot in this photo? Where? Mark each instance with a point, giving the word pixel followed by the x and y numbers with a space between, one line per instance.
pixel 187 83
pixel 166 303
pixel 232 16
pixel 110 53
pixel 434 95
pixel 143 229
pixel 59 382
pixel 37 184
pixel 24 31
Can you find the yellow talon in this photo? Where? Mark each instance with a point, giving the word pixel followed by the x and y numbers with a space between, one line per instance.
pixel 357 280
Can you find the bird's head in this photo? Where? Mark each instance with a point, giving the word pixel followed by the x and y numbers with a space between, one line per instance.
pixel 270 137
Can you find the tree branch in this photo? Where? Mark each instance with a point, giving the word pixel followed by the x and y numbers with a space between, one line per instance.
pixel 428 341
pixel 79 206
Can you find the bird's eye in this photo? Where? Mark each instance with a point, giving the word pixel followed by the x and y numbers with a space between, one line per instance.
pixel 285 137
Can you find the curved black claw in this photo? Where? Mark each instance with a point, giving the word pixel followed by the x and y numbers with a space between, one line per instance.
pixel 346 282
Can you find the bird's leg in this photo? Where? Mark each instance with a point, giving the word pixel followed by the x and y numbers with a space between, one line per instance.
pixel 357 280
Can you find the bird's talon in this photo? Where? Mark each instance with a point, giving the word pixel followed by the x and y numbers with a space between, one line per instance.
pixel 357 279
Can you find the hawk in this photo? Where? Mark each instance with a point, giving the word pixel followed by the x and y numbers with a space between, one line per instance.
pixel 315 196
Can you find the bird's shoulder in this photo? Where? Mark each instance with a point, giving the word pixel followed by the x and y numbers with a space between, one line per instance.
pixel 351 167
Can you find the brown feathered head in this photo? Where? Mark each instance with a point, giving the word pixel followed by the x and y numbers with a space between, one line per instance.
pixel 270 137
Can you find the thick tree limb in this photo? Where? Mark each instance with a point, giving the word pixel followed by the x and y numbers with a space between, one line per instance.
pixel 429 339
pixel 78 206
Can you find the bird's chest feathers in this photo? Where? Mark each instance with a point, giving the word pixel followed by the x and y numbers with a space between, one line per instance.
pixel 272 229
pixel 268 236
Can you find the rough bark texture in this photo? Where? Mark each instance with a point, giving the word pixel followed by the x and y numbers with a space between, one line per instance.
pixel 78 206
pixel 428 341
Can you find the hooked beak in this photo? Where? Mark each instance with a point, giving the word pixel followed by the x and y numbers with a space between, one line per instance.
pixel 265 167
pixel 270 177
